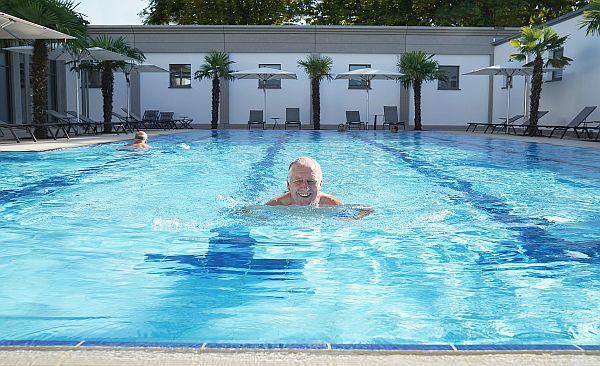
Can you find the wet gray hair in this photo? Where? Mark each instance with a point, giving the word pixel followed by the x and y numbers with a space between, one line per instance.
pixel 140 136
pixel 306 161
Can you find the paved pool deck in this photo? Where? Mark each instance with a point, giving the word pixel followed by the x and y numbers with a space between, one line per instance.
pixel 7 145
pixel 197 357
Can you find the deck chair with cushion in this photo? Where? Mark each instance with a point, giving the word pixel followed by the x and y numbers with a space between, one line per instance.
pixel 292 118
pixel 256 118
pixel 574 125
pixel 390 117
pixel 353 119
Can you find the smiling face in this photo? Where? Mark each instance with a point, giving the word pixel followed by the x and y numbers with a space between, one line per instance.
pixel 304 184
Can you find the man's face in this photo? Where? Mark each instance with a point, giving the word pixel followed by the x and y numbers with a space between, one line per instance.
pixel 304 185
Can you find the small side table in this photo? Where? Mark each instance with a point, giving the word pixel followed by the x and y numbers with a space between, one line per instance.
pixel 275 122
pixel 375 120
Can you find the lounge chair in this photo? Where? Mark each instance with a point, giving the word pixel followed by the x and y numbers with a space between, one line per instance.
pixel 576 122
pixel 256 118
pixel 292 118
pixel 116 126
pixel 511 120
pixel 131 123
pixel 390 117
pixel 31 127
pixel 150 119
pixel 70 118
pixel 353 119
pixel 12 128
pixel 166 121
pixel 525 125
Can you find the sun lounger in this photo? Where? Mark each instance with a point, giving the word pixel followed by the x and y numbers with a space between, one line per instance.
pixel 70 119
pixel 256 118
pixel 131 124
pixel 12 128
pixel 353 119
pixel 390 117
pixel 525 125
pixel 292 118
pixel 115 126
pixel 576 122
pixel 52 129
pixel 511 120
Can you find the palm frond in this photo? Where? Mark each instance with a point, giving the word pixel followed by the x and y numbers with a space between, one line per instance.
pixel 317 67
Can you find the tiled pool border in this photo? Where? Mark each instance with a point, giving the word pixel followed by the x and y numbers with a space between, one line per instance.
pixel 415 348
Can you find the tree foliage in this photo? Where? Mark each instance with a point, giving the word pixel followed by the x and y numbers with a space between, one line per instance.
pixel 360 12
pixel 216 66
pixel 591 18
pixel 317 68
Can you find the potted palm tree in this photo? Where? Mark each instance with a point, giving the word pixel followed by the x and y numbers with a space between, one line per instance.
pixel 107 79
pixel 591 18
pixel 536 42
pixel 56 14
pixel 418 67
pixel 317 68
pixel 216 66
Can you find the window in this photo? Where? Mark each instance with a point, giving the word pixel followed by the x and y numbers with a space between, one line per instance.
pixel 270 84
pixel 358 84
pixel 557 53
pixel 93 78
pixel 180 75
pixel 452 83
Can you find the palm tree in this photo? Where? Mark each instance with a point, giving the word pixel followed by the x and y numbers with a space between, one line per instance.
pixel 317 68
pixel 216 66
pixel 107 79
pixel 418 67
pixel 535 42
pixel 591 18
pixel 56 14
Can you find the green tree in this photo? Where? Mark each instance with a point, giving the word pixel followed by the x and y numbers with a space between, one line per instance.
pixel 536 42
pixel 221 12
pixel 418 67
pixel 59 15
pixel 216 66
pixel 317 68
pixel 591 18
pixel 107 68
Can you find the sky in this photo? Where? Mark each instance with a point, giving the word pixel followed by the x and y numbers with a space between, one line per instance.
pixel 112 11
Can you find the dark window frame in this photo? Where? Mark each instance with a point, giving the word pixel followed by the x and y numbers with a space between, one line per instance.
pixel 557 75
pixel 358 84
pixel 179 76
pixel 447 85
pixel 270 84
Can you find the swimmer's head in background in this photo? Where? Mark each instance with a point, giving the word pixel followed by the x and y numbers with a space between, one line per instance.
pixel 140 136
pixel 305 179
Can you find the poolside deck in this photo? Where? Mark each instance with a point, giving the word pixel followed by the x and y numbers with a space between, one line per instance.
pixel 180 357
pixel 7 145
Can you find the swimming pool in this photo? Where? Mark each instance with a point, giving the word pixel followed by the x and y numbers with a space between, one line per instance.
pixel 473 241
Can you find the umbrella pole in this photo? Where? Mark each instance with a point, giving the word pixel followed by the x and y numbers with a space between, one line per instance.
pixel 368 105
pixel 128 92
pixel 78 76
pixel 509 86
pixel 265 100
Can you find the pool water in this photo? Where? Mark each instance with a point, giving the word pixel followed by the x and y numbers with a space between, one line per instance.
pixel 473 240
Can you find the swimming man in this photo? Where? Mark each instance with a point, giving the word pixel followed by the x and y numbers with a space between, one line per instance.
pixel 139 141
pixel 304 182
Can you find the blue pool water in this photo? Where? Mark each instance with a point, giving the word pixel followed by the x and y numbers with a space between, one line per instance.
pixel 473 241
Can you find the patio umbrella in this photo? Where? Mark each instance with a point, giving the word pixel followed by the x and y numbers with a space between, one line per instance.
pixel 12 27
pixel 131 67
pixel 75 57
pixel 508 70
pixel 264 74
pixel 366 75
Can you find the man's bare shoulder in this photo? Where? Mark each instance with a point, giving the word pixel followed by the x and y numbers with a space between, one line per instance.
pixel 327 199
pixel 283 200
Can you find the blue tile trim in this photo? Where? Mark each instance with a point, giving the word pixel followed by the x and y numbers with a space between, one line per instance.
pixel 141 344
pixel 516 347
pixel 264 346
pixel 36 343
pixel 592 347
pixel 394 347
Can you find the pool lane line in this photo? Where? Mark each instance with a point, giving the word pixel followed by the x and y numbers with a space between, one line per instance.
pixel 538 242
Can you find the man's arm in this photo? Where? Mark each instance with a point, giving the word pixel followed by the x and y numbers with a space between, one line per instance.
pixel 282 200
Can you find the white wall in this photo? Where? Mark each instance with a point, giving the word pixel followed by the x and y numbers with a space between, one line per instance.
pixel 245 95
pixel 579 85
pixel 336 98
pixel 455 107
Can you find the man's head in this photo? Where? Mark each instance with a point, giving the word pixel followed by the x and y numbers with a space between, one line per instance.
pixel 304 181
pixel 341 127
pixel 140 137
